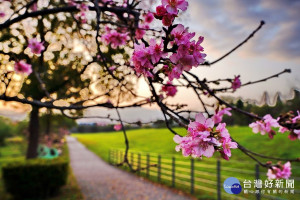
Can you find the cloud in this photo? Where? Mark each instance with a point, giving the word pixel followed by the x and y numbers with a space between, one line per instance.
pixel 226 23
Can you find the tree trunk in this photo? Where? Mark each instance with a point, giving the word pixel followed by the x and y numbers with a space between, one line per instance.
pixel 33 134
pixel 48 122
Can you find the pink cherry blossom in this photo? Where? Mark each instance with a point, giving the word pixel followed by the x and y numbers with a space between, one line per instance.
pixel 118 127
pixel 202 140
pixel 167 19
pixel 82 7
pixel 114 38
pixel 172 72
pixel 2 14
pixel 201 126
pixel 169 89
pixel 81 17
pixel 218 117
pixel 257 127
pixel 270 122
pixel 294 134
pixel 149 17
pixel 145 57
pixel 23 67
pixel 141 60
pixel 189 54
pixel 181 35
pixel 221 128
pixel 175 73
pixel 112 68
pixel 236 83
pixel 227 145
pixel 173 5
pixel 161 11
pixel 283 129
pixel 297 118
pixel 283 171
pixel 35 46
pixel 34 7
pixel 140 32
pixel 156 51
pixel 265 126
pixel 188 145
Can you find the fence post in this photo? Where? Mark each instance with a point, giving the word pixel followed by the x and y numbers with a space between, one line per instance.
pixel 117 156
pixel 158 167
pixel 109 152
pixel 219 179
pixel 173 171
pixel 192 176
pixel 258 197
pixel 139 163
pixel 132 159
pixel 148 163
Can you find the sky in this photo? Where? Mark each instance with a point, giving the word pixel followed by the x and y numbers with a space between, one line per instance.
pixel 224 24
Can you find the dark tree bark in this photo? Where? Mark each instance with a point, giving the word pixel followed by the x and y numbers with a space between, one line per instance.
pixel 33 139
pixel 48 122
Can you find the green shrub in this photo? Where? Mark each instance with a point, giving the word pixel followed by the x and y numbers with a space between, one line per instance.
pixel 35 179
pixel 5 131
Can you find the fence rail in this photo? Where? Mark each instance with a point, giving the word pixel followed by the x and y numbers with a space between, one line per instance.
pixel 190 174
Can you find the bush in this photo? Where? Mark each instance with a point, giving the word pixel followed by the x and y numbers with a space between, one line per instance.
pixel 5 131
pixel 35 179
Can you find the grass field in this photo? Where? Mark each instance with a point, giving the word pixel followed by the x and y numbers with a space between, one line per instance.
pixel 160 141
pixel 14 150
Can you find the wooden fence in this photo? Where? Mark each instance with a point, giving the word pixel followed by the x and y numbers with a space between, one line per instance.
pixel 203 178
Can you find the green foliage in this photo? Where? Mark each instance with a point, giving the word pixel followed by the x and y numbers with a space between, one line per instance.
pixel 35 179
pixel 275 111
pixel 56 121
pixel 9 129
pixel 5 131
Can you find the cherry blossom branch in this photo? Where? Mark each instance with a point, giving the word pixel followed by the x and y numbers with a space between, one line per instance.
pixel 49 104
pixel 238 46
pixel 222 102
pixel 257 81
pixel 117 10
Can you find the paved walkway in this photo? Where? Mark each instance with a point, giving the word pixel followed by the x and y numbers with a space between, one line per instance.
pixel 101 181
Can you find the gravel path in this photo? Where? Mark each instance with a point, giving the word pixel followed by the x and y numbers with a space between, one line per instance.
pixel 101 181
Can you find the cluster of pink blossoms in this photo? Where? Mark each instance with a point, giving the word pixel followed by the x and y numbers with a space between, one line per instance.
pixel 35 46
pixel 140 32
pixel 23 67
pixel 295 133
pixel 236 83
pixel 265 126
pixel 81 16
pixel 144 57
pixel 169 10
pixel 114 38
pixel 203 140
pixel 169 89
pixel 118 127
pixel 184 52
pixel 283 171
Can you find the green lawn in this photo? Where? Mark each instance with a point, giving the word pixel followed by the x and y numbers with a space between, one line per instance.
pixel 160 141
pixel 14 150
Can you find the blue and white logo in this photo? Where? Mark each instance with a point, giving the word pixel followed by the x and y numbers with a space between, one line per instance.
pixel 232 186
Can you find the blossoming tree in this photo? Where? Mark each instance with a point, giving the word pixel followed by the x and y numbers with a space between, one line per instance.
pixel 119 44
